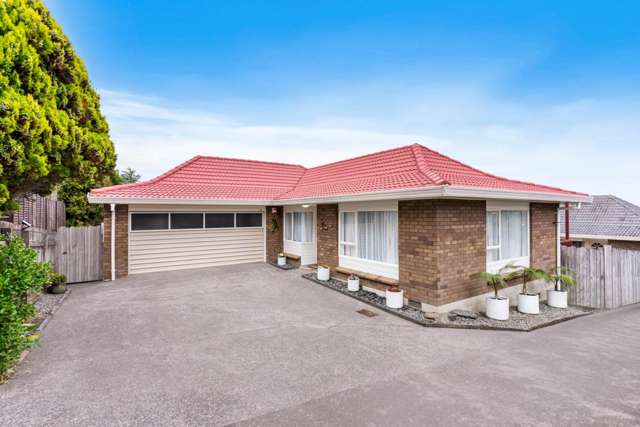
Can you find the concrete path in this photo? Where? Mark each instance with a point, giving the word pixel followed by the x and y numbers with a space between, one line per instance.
pixel 258 346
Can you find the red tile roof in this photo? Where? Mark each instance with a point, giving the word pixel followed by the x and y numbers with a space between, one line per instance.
pixel 410 167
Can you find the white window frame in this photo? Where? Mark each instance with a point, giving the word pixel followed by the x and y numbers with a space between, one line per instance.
pixel 390 270
pixel 523 261
pixel 203 228
pixel 286 222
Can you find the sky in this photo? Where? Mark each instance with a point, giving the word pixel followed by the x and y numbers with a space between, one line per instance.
pixel 536 91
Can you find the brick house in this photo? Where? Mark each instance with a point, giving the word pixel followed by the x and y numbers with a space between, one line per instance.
pixel 409 216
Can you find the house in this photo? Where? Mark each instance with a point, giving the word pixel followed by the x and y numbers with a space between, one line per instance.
pixel 608 220
pixel 409 215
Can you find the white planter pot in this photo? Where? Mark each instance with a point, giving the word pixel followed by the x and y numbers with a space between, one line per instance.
pixel 324 273
pixel 395 299
pixel 528 304
pixel 498 309
pixel 353 285
pixel 282 260
pixel 557 299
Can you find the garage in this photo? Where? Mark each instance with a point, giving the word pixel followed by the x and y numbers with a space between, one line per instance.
pixel 164 238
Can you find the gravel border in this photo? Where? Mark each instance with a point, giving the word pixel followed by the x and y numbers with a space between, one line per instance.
pixel 518 322
pixel 285 267
pixel 408 313
pixel 47 305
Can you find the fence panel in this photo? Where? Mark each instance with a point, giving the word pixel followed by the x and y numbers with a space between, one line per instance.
pixel 607 277
pixel 79 253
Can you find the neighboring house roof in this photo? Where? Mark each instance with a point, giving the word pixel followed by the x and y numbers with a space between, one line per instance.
pixel 608 217
pixel 406 168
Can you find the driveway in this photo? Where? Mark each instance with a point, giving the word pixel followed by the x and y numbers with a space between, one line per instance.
pixel 255 345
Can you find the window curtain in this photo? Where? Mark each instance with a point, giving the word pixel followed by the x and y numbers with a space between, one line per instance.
pixel 513 235
pixel 348 233
pixel 493 236
pixel 378 236
pixel 299 227
pixel 288 235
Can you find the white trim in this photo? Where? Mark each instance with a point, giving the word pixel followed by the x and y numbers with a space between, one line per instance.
pixel 113 241
pixel 431 192
pixel 603 237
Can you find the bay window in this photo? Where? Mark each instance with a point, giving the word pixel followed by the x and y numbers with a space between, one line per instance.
pixel 298 227
pixel 370 235
pixel 507 236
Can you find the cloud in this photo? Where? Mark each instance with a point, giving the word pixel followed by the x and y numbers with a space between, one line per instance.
pixel 587 145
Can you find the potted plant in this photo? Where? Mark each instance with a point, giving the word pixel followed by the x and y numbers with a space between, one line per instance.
pixel 57 284
pixel 528 303
pixel 353 283
pixel 557 297
pixel 282 259
pixel 497 307
pixel 324 273
pixel 394 296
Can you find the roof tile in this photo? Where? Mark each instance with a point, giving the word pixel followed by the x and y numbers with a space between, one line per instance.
pixel 218 178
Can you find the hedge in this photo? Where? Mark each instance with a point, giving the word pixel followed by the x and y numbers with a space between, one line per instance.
pixel 20 274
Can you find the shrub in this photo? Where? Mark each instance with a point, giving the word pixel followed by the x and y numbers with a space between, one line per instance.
pixel 20 273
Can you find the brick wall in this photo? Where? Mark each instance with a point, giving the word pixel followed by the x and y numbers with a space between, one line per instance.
pixel 461 249
pixel 543 235
pixel 274 238
pixel 327 235
pixel 442 248
pixel 122 241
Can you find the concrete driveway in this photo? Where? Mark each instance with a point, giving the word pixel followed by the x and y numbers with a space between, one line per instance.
pixel 254 345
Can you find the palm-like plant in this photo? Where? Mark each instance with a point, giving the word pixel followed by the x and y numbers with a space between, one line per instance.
pixel 560 278
pixel 513 271
pixel 494 280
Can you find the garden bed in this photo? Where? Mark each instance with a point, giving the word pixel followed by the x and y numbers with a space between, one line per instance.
pixel 408 313
pixel 517 321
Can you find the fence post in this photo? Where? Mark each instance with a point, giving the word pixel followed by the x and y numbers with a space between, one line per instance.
pixel 607 283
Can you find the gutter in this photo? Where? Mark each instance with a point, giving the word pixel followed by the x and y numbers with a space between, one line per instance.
pixel 431 192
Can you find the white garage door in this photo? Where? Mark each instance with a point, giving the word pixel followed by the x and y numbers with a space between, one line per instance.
pixel 163 241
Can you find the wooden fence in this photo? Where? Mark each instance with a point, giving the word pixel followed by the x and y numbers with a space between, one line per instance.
pixel 607 277
pixel 79 253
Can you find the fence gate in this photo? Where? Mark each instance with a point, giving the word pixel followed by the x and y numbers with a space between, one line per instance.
pixel 79 253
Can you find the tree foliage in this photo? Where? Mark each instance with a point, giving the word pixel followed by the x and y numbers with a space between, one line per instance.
pixel 129 176
pixel 51 128
pixel 20 274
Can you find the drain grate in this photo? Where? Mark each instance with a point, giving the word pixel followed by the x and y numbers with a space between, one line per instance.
pixel 367 313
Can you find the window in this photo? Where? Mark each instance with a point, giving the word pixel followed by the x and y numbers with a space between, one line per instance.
pixel 507 235
pixel 219 220
pixel 299 227
pixel 186 220
pixel 149 221
pixel 195 220
pixel 249 220
pixel 370 235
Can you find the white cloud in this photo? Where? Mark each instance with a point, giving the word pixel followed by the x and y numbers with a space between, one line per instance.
pixel 587 145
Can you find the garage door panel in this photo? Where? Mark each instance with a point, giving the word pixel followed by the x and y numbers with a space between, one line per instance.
pixel 173 247
pixel 187 254
pixel 220 260
pixel 164 267
pixel 180 249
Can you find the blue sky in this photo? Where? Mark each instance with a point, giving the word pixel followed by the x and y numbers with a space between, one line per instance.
pixel 529 90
